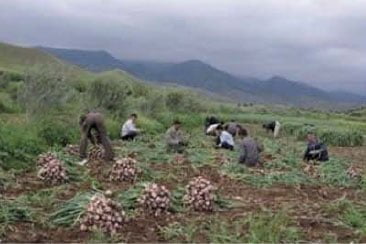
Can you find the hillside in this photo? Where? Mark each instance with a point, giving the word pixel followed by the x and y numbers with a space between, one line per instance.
pixel 199 75
pixel 15 58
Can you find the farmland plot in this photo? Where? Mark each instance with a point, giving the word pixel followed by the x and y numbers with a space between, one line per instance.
pixel 282 201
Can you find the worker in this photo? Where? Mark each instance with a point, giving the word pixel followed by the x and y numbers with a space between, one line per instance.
pixel 210 120
pixel 129 130
pixel 249 149
pixel 211 130
pixel 174 138
pixel 232 127
pixel 315 150
pixel 274 127
pixel 94 122
pixel 224 138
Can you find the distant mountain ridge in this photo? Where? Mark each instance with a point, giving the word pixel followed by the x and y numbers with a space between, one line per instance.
pixel 200 75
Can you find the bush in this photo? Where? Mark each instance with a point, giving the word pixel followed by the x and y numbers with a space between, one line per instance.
pixel 336 137
pixel 113 128
pixel 150 126
pixel 44 88
pixel 110 95
pixel 57 133
pixel 18 146
pixel 179 101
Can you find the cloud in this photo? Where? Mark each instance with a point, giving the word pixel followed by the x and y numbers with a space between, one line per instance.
pixel 322 42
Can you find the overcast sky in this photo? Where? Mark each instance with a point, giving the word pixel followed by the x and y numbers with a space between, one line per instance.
pixel 322 42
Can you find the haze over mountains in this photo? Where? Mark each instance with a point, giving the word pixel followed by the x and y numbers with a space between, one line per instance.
pixel 199 75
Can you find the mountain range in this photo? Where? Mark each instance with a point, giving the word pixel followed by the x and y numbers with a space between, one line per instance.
pixel 202 76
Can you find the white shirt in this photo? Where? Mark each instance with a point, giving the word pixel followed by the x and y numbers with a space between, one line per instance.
pixel 128 127
pixel 211 128
pixel 226 137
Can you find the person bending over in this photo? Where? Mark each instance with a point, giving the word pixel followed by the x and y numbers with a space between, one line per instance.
pixel 89 123
pixel 250 149
pixel 274 127
pixel 315 150
pixel 224 139
pixel 232 127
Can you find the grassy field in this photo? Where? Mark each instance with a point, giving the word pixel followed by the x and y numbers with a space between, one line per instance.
pixel 282 201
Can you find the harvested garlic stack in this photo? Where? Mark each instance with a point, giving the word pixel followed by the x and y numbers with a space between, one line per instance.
pixel 199 194
pixel 103 214
pixel 45 158
pixel 96 153
pixel 155 199
pixel 53 172
pixel 124 170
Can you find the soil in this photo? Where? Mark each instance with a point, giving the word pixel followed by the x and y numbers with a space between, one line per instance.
pixel 303 203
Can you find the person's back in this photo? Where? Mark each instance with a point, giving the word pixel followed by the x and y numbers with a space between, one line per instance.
pixel 94 121
pixel 232 128
pixel 92 118
pixel 250 150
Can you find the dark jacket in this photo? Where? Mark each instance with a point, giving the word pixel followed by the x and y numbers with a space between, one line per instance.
pixel 270 126
pixel 316 151
pixel 210 121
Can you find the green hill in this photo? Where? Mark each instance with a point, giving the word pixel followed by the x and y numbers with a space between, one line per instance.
pixel 14 58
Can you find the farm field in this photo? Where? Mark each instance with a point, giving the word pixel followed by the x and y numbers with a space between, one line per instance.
pixel 281 201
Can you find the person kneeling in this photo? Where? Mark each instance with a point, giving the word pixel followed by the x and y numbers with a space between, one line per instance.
pixel 249 149
pixel 129 130
pixel 315 151
pixel 224 139
pixel 174 138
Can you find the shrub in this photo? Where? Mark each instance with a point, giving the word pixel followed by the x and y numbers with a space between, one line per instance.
pixel 109 94
pixel 56 132
pixel 336 137
pixel 44 88
pixel 113 128
pixel 18 146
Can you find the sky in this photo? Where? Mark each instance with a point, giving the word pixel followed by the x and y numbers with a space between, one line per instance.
pixel 320 42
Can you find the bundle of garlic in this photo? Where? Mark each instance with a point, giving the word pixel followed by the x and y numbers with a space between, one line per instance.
pixel 312 170
pixel 45 158
pixel 155 199
pixel 103 214
pixel 72 149
pixel 353 172
pixel 53 172
pixel 96 153
pixel 124 170
pixel 199 194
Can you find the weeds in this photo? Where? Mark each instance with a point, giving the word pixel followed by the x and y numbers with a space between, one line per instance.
pixel 271 228
pixel 12 212
pixel 351 214
pixel 334 173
